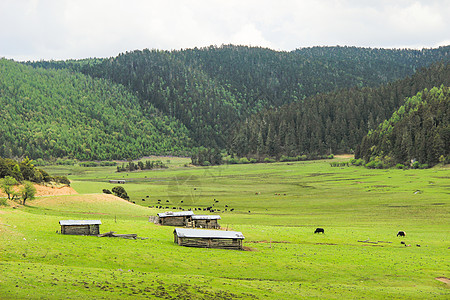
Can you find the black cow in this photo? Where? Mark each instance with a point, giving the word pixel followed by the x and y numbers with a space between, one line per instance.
pixel 319 230
pixel 401 233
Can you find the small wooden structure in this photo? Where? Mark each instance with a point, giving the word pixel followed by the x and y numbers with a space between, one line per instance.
pixel 208 238
pixel 80 227
pixel 120 181
pixel 204 221
pixel 178 218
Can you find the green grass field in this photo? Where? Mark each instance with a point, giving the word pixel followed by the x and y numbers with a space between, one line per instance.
pixel 276 206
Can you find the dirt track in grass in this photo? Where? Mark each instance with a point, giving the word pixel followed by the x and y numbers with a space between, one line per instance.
pixel 42 190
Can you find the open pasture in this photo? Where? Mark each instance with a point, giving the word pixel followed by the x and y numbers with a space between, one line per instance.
pixel 276 206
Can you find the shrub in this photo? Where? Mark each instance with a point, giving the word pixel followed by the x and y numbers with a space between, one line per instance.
pixel 62 179
pixel 415 165
pixel 106 191
pixel 119 191
pixel 233 161
pixel 302 157
pixel 269 160
pixel 375 164
pixel 357 162
pixel 400 166
pixel 244 160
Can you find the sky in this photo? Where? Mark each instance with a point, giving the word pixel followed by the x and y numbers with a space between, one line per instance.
pixel 75 29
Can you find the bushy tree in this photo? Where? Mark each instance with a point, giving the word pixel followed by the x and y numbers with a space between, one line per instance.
pixel 7 185
pixel 28 191
pixel 119 191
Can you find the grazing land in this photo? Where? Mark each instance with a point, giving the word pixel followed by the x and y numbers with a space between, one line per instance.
pixel 276 206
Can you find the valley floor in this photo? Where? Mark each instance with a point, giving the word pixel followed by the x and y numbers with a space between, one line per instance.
pixel 276 206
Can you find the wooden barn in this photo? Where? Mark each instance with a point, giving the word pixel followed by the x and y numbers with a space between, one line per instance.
pixel 178 218
pixel 204 221
pixel 203 238
pixel 80 227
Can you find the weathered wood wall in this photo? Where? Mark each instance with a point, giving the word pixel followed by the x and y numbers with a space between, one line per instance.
pixel 209 243
pixel 173 221
pixel 212 224
pixel 80 229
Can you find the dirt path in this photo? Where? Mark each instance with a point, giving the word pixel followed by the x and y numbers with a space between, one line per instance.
pixel 42 190
pixel 443 279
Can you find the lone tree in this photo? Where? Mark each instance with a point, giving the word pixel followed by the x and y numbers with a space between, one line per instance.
pixel 120 192
pixel 28 191
pixel 7 185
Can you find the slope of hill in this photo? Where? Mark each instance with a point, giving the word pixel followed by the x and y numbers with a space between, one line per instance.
pixel 56 113
pixel 418 130
pixel 334 122
pixel 209 89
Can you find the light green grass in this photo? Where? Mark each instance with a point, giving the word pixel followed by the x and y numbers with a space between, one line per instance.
pixel 288 261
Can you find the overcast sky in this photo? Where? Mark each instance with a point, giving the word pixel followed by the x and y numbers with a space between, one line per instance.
pixel 65 29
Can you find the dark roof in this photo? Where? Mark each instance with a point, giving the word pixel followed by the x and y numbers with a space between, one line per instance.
pixel 176 214
pixel 80 222
pixel 212 234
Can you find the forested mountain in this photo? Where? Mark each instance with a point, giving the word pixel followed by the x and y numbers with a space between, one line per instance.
pixel 58 113
pixel 209 89
pixel 332 122
pixel 418 130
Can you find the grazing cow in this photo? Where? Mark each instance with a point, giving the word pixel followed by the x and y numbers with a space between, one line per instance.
pixel 401 233
pixel 319 230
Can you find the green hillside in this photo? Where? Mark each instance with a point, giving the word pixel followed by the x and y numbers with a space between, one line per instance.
pixel 419 130
pixel 209 89
pixel 59 113
pixel 332 122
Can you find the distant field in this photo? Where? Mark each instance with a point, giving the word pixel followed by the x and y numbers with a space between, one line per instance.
pixel 276 206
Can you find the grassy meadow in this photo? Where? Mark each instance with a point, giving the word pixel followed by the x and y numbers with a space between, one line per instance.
pixel 276 206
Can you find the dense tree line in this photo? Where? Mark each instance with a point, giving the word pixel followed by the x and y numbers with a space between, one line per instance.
pixel 211 88
pixel 418 131
pixel 329 123
pixel 58 113
pixel 141 165
pixel 25 170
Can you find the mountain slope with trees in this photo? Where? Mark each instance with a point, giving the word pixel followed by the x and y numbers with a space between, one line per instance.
pixel 211 88
pixel 418 131
pixel 329 123
pixel 58 113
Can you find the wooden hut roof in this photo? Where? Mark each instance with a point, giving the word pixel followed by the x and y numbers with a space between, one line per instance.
pixel 176 214
pixel 206 217
pixel 80 222
pixel 212 234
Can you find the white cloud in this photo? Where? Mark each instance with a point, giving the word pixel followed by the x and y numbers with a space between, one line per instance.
pixel 62 29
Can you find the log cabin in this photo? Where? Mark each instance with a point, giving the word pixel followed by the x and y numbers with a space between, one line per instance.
pixel 203 238
pixel 204 221
pixel 80 227
pixel 178 218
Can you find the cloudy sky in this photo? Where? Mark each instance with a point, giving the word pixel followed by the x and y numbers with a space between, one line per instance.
pixel 64 29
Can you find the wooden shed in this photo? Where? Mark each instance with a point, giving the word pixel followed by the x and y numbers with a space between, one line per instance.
pixel 80 227
pixel 203 238
pixel 204 221
pixel 178 218
pixel 120 181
